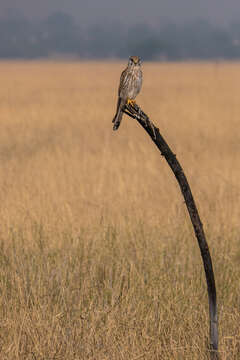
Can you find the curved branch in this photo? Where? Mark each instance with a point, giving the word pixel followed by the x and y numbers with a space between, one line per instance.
pixel 135 112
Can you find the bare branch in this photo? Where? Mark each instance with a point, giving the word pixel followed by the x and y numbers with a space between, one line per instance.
pixel 135 112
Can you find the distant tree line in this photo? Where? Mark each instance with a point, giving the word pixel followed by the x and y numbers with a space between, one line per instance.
pixel 60 35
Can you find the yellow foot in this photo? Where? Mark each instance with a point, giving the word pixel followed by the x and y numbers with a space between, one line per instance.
pixel 131 102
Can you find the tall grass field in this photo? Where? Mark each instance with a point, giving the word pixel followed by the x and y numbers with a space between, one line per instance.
pixel 98 258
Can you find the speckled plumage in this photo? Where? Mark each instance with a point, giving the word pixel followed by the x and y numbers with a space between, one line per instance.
pixel 129 87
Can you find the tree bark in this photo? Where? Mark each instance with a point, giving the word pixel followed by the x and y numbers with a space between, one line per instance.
pixel 135 112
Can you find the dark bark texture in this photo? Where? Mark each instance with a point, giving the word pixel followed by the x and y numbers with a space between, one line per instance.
pixel 135 112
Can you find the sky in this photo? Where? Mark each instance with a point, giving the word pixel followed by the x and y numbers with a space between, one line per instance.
pixel 86 12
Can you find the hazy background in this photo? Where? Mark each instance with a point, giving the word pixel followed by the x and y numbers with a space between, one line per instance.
pixel 170 29
pixel 151 11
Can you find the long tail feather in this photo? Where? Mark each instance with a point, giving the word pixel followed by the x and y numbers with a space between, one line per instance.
pixel 119 114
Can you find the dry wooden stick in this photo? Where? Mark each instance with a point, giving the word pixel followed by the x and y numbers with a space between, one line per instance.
pixel 135 112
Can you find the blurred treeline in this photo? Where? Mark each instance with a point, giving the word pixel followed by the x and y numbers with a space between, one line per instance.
pixel 60 35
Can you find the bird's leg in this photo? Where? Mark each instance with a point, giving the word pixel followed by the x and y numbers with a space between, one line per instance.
pixel 131 102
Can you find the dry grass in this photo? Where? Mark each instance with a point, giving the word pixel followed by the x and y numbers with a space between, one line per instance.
pixel 97 255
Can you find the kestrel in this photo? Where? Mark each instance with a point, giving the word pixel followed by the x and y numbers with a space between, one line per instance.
pixel 130 85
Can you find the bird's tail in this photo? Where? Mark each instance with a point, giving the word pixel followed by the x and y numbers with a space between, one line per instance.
pixel 119 114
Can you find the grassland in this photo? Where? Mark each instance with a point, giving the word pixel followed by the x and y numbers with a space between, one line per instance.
pixel 98 259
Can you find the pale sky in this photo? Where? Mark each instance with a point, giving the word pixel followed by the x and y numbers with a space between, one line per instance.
pixel 219 12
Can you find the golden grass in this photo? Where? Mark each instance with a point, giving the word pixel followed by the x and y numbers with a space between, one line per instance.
pixel 97 255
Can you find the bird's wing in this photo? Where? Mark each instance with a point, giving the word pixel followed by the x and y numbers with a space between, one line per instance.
pixel 123 81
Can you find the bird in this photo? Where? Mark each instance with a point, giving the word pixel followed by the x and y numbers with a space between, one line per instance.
pixel 129 87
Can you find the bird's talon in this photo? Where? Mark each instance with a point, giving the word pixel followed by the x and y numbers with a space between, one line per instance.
pixel 131 102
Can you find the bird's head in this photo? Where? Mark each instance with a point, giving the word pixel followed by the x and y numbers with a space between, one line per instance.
pixel 134 61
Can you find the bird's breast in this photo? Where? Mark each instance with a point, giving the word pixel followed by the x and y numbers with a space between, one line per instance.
pixel 135 84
